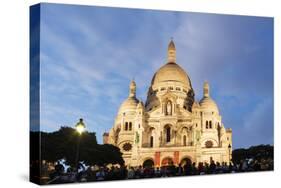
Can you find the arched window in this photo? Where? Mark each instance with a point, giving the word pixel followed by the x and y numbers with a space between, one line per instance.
pixel 130 126
pixel 207 125
pixel 210 124
pixel 126 126
pixel 151 141
pixel 168 134
pixel 184 140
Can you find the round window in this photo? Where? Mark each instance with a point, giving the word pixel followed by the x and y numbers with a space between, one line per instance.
pixel 127 147
pixel 209 144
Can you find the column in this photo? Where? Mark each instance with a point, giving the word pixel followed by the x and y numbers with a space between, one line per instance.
pixel 176 157
pixel 157 159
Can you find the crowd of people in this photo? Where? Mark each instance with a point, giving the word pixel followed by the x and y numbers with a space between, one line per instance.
pixel 121 172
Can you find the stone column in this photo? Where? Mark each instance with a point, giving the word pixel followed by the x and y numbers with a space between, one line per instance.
pixel 157 159
pixel 176 157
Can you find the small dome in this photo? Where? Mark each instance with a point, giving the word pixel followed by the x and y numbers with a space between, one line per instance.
pixel 171 72
pixel 208 104
pixel 130 104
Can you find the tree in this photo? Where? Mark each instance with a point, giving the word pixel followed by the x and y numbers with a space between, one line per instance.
pixel 254 152
pixel 63 144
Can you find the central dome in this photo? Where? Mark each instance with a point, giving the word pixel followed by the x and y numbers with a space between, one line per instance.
pixel 171 72
pixel 173 79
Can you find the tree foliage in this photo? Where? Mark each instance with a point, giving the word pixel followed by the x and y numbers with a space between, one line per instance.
pixel 64 144
pixel 254 152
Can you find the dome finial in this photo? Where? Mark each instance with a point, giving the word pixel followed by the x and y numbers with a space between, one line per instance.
pixel 171 52
pixel 132 88
pixel 206 89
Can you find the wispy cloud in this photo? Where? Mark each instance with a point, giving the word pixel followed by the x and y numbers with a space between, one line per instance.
pixel 89 55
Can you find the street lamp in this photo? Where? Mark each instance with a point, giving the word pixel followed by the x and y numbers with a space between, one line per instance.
pixel 80 128
pixel 229 148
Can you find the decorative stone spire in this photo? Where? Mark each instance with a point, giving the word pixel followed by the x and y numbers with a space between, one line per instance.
pixel 206 89
pixel 132 89
pixel 171 52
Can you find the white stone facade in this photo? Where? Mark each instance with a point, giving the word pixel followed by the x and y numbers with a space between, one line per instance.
pixel 171 126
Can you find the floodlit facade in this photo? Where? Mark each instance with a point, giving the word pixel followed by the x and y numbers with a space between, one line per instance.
pixel 170 127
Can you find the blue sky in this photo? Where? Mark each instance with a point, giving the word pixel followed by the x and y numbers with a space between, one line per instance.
pixel 90 54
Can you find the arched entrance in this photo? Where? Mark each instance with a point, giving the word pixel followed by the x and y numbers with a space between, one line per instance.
pixel 167 161
pixel 185 161
pixel 148 163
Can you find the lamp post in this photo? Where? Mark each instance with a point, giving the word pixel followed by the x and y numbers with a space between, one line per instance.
pixel 80 128
pixel 229 148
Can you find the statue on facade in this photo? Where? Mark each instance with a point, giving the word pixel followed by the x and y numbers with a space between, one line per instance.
pixel 169 108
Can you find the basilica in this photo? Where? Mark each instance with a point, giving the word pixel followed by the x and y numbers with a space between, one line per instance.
pixel 171 127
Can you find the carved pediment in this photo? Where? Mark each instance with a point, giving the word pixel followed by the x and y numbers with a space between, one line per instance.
pixel 168 96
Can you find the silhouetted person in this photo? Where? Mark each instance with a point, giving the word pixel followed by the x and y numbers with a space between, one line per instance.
pixel 212 167
pixel 187 168
pixel 157 172
pixel 179 170
pixel 256 166
pixel 194 170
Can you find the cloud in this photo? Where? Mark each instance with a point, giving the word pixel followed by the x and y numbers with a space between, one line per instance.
pixel 89 57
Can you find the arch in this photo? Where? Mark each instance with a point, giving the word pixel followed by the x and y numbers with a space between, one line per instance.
pixel 184 129
pixel 207 126
pixel 186 160
pixel 123 142
pixel 214 142
pixel 166 161
pixel 148 163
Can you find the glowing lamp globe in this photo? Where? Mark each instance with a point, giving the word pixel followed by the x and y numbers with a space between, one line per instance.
pixel 80 126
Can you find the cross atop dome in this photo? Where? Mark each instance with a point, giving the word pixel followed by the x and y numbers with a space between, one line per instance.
pixel 171 52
